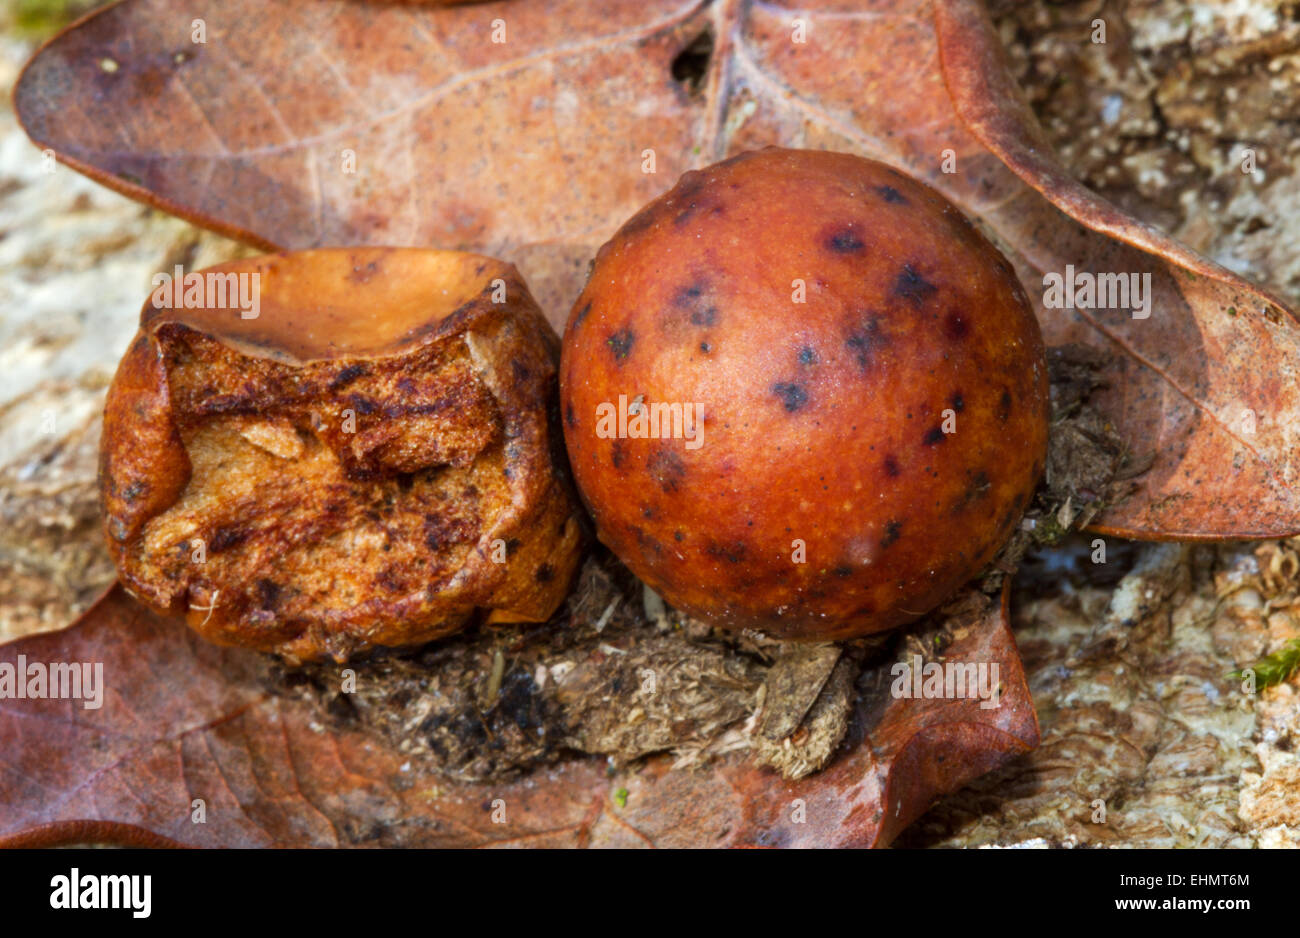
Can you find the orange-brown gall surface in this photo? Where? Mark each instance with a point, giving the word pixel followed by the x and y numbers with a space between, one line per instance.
pixel 872 381
pixel 372 460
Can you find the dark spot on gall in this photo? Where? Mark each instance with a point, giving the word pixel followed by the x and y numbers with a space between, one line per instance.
pixel 582 315
pixel 842 571
pixel 688 296
pixel 648 544
pixel 732 553
pixel 891 195
pixel 893 531
pixel 958 402
pixel 792 395
pixel 545 573
pixel 914 288
pixel 689 212
pixel 620 343
pixel 892 468
pixel 865 340
pixel 977 486
pixel 1004 405
pixel 570 417
pixel 807 355
pixel 934 436
pixel 666 468
pixel 844 241
pixel 692 298
pixel 955 328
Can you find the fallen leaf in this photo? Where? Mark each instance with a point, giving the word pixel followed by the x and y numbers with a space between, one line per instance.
pixel 300 124
pixel 182 720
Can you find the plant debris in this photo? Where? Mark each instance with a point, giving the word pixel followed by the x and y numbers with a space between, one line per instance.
pixel 794 682
pixel 602 678
pixel 809 746
pixel 1089 465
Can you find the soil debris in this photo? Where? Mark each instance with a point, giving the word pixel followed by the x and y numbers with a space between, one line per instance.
pixel 1089 465
pixel 614 674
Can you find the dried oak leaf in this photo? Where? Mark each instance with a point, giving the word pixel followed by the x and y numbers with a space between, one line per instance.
pixel 182 719
pixel 301 123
